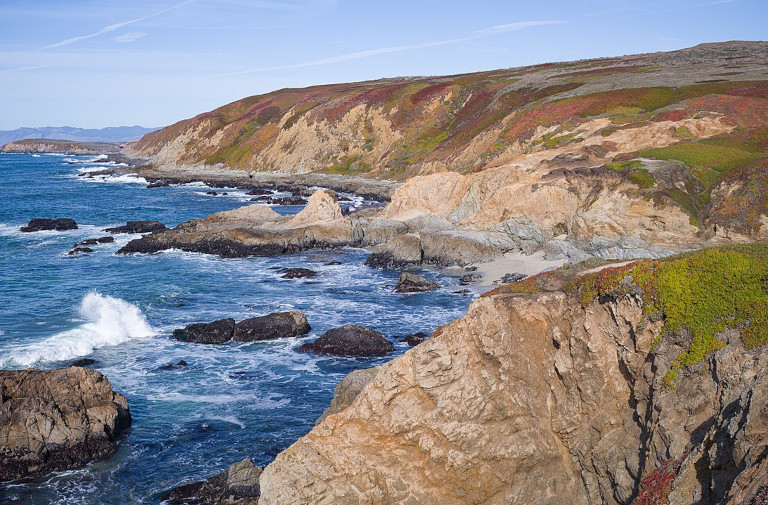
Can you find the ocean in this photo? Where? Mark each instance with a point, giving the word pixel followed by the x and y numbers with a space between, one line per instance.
pixel 233 400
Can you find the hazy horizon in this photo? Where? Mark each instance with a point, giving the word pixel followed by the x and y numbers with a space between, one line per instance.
pixel 91 64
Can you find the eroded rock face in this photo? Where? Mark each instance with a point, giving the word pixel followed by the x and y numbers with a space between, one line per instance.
pixel 52 420
pixel 350 340
pixel 537 399
pixel 348 389
pixel 61 224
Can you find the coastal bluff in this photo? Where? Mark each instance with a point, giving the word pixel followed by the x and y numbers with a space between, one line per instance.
pixel 563 389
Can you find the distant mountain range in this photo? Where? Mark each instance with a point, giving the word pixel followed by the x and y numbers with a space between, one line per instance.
pixel 111 134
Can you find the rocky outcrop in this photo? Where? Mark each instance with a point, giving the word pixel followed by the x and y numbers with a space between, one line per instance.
pixel 272 326
pixel 269 327
pixel 544 397
pixel 296 273
pixel 350 340
pixel 237 485
pixel 347 390
pixel 56 420
pixel 414 283
pixel 256 230
pixel 61 224
pixel 137 227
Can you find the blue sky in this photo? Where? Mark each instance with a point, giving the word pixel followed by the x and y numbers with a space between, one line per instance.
pixel 96 63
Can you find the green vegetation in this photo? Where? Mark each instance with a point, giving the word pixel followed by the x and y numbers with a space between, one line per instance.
pixel 350 165
pixel 635 171
pixel 700 294
pixel 702 155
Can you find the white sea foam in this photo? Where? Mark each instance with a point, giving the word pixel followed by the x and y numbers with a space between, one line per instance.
pixel 110 178
pixel 108 321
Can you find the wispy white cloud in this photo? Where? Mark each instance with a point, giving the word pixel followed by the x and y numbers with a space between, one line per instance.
pixel 129 37
pixel 487 32
pixel 116 26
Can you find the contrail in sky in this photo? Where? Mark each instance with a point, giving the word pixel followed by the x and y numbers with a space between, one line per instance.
pixel 494 30
pixel 114 27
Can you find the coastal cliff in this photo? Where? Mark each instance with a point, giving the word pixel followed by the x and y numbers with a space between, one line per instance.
pixel 601 386
pixel 635 156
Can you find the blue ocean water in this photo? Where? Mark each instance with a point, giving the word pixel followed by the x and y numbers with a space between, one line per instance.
pixel 232 401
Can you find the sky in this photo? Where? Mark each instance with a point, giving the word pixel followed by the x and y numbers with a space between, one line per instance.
pixel 98 63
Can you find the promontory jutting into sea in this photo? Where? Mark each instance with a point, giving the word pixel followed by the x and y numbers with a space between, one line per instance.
pixel 541 284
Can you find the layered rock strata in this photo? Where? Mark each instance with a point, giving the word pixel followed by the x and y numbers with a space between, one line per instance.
pixel 56 420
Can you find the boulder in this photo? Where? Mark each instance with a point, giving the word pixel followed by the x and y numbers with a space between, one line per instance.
pixel 54 420
pixel 61 224
pixel 272 326
pixel 296 273
pixel 83 362
pixel 350 340
pixel 237 485
pixel 413 283
pixel 512 277
pixel 137 227
pixel 470 278
pixel 216 332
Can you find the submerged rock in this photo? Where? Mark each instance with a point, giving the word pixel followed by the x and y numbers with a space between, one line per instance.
pixel 83 362
pixel 413 283
pixel 137 227
pixel 237 485
pixel 216 332
pixel 272 326
pixel 94 241
pixel 296 273
pixel 350 340
pixel 57 420
pixel 61 224
pixel 79 250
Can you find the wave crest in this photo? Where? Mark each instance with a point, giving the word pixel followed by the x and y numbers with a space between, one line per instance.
pixel 108 321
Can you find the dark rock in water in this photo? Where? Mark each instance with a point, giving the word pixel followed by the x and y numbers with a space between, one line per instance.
pixel 216 332
pixel 61 224
pixel 56 420
pixel 221 247
pixel 387 260
pixel 259 192
pixel 287 200
pixel 464 292
pixel 237 485
pixel 469 278
pixel 332 263
pixel 350 340
pixel 78 250
pixel 296 273
pixel 83 362
pixel 171 367
pixel 512 277
pixel 212 193
pixel 158 183
pixel 137 227
pixel 94 241
pixel 415 339
pixel 272 326
pixel 413 283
